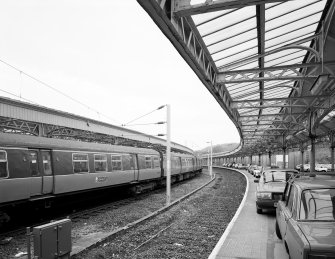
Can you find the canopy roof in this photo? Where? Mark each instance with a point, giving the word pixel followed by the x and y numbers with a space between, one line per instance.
pixel 269 64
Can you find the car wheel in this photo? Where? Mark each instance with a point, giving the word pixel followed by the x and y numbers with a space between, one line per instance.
pixel 278 231
pixel 259 210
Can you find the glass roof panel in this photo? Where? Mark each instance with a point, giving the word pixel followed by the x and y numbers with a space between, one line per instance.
pixel 240 86
pixel 221 60
pixel 207 17
pixel 291 36
pixel 272 47
pixel 246 94
pixel 286 58
pixel 289 17
pixel 291 6
pixel 229 20
pixel 282 29
pixel 242 42
pixel 248 111
pixel 277 94
pixel 229 35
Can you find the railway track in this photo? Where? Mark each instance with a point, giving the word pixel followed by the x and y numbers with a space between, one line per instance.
pixel 189 230
pixel 90 218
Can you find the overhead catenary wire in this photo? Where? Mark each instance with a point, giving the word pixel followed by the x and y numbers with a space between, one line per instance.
pixel 144 124
pixel 4 91
pixel 50 87
pixel 126 124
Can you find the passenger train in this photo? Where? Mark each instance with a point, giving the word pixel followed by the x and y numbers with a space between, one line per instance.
pixel 38 168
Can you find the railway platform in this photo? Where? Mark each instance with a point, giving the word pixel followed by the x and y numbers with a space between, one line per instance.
pixel 250 235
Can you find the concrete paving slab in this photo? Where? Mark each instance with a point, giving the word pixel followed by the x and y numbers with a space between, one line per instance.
pixel 251 235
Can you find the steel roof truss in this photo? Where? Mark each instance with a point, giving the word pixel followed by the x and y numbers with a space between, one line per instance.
pixel 184 7
pixel 281 48
pixel 280 102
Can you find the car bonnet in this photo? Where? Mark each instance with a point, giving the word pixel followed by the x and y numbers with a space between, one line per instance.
pixel 320 235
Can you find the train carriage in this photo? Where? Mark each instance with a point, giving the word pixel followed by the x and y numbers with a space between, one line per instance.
pixel 37 168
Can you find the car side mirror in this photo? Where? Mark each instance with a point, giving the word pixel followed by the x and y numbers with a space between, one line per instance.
pixel 256 181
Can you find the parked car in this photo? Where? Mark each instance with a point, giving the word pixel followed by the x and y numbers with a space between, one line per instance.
pixel 243 166
pixel 298 167
pixel 307 167
pixel 257 171
pixel 305 217
pixel 251 169
pixel 321 168
pixel 270 188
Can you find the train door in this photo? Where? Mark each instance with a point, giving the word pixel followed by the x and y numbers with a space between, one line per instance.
pixel 47 174
pixel 40 172
pixel 134 165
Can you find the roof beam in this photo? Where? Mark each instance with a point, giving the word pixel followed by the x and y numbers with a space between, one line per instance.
pixel 260 13
pixel 302 101
pixel 184 8
pixel 256 78
pixel 243 117
pixel 276 68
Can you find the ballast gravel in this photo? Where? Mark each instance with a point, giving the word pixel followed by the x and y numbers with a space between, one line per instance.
pixel 107 221
pixel 190 229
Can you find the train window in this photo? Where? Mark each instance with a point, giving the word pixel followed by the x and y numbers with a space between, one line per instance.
pixel 141 162
pixel 183 162
pixel 156 162
pixel 33 160
pixel 3 164
pixel 148 162
pixel 128 162
pixel 100 163
pixel 80 163
pixel 46 163
pixel 175 163
pixel 116 162
pixel 178 162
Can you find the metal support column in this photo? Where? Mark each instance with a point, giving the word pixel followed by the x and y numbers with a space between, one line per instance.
pixel 284 157
pixel 312 158
pixel 302 158
pixel 270 158
pixel 332 147
pixel 332 158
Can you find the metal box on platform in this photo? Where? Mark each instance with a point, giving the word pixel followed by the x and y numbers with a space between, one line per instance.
pixel 53 240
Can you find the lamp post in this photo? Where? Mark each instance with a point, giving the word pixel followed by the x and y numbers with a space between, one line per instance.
pixel 211 160
pixel 168 155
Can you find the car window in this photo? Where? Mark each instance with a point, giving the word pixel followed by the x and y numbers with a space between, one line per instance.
pixel 275 176
pixel 318 204
pixel 290 199
pixel 287 191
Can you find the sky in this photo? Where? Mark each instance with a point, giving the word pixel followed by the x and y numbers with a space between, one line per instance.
pixel 111 58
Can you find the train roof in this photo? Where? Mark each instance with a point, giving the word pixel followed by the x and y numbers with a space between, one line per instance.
pixel 27 141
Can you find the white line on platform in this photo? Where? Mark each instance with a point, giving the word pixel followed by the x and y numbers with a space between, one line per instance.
pixel 231 223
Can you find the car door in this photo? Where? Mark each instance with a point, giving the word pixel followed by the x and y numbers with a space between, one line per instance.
pixel 284 210
pixel 292 237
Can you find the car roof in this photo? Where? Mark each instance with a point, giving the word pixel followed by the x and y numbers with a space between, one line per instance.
pixel 314 181
pixel 281 170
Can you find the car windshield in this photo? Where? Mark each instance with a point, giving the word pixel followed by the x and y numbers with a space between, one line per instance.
pixel 318 204
pixel 274 176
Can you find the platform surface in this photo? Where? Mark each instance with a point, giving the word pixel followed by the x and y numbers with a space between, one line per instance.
pixel 252 235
